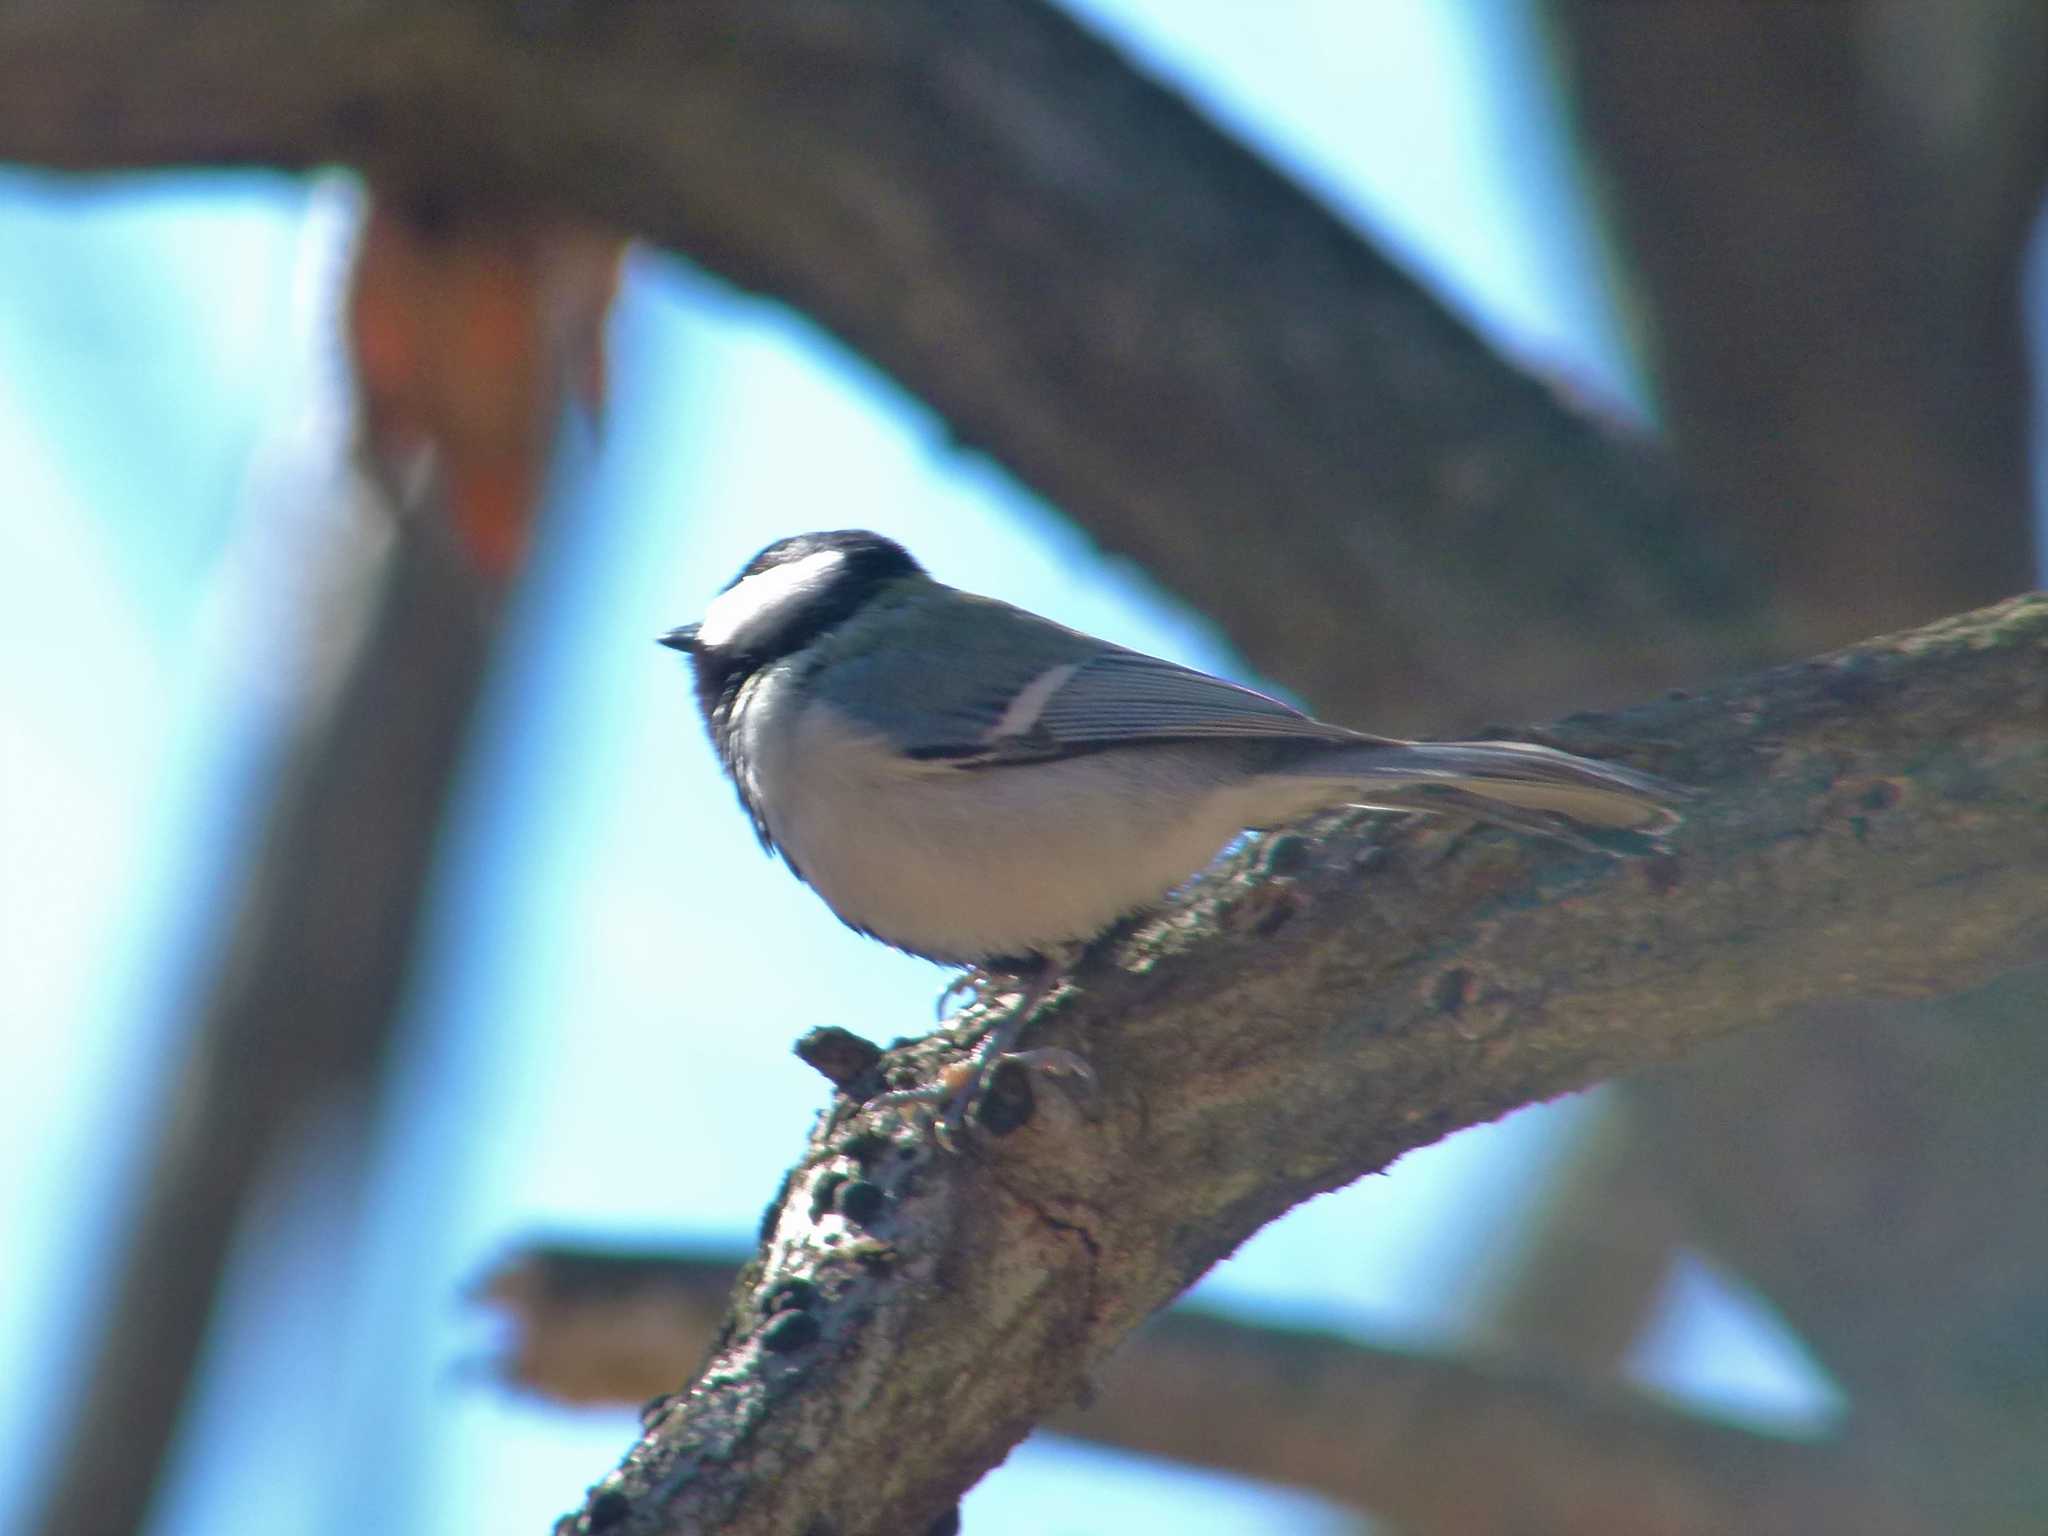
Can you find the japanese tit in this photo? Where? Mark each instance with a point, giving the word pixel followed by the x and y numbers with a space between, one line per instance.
pixel 975 784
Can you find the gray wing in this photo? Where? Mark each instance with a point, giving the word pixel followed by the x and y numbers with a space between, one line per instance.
pixel 1120 697
pixel 1109 698
pixel 970 681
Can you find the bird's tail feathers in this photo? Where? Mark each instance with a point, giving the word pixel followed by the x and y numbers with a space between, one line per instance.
pixel 1508 783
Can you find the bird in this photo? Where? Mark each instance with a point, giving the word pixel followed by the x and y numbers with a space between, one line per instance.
pixel 973 783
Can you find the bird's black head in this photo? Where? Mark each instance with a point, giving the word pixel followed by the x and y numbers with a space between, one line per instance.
pixel 784 598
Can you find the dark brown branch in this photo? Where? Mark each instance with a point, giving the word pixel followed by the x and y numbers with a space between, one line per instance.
pixel 593 1323
pixel 1178 347
pixel 1833 276
pixel 1435 1443
pixel 1441 1445
pixel 1828 208
pixel 1905 1241
pixel 1579 1294
pixel 1873 825
pixel 267 89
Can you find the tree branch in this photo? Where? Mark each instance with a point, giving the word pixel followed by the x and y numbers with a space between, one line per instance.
pixel 1438 1444
pixel 1873 825
pixel 1834 280
pixel 926 177
pixel 1904 1239
pixel 1831 240
pixel 1588 1278
pixel 1445 1445
pixel 745 160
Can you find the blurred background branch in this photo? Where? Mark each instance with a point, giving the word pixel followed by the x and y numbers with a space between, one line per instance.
pixel 1825 210
pixel 1173 343
pixel 302 1022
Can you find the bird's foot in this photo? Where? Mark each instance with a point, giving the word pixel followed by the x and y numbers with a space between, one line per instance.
pixel 979 1095
pixel 977 986
pixel 972 1093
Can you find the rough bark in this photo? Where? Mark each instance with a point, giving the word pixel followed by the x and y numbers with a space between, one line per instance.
pixel 1872 825
pixel 1439 1444
pixel 1178 347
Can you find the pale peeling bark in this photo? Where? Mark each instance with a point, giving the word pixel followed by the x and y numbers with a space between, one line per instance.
pixel 1872 824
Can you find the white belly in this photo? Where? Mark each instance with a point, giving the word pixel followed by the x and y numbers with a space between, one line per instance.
pixel 969 864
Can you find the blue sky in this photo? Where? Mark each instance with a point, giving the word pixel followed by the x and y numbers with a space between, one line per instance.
pixel 169 399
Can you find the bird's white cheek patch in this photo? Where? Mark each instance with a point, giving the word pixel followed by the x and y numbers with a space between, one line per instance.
pixel 760 600
pixel 1022 712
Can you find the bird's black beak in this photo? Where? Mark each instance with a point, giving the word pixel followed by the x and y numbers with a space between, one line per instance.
pixel 683 639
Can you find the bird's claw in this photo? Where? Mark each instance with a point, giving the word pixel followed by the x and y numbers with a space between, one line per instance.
pixel 967 983
pixel 980 988
pixel 963 1097
pixel 962 1107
